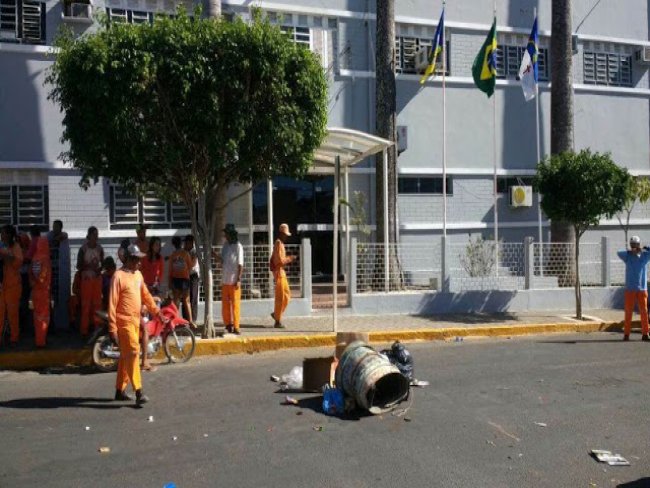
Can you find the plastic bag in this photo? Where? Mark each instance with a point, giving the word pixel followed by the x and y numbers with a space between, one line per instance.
pixel 293 380
pixel 400 357
pixel 333 402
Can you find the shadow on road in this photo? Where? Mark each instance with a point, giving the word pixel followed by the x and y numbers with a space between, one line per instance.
pixel 583 341
pixel 63 402
pixel 640 483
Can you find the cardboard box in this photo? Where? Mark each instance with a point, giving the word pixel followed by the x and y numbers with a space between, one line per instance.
pixel 343 339
pixel 317 372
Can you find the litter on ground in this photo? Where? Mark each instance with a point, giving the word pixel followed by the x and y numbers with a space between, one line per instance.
pixel 609 458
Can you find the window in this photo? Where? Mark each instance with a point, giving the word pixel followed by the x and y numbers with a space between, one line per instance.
pixel 509 60
pixel 22 21
pixel 299 35
pixel 609 69
pixel 129 16
pixel 505 182
pixel 405 49
pixel 127 210
pixel 24 205
pixel 408 185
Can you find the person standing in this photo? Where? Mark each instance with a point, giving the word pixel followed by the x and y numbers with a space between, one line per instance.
pixel 60 260
pixel 12 259
pixel 180 264
pixel 152 266
pixel 24 313
pixel 89 263
pixel 188 245
pixel 40 274
pixel 279 260
pixel 232 266
pixel 636 285
pixel 128 294
pixel 141 241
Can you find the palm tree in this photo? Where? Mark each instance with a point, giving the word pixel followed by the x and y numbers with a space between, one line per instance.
pixel 212 8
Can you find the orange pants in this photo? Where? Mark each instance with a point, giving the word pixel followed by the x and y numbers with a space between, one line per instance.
pixel 128 370
pixel 41 302
pixel 641 297
pixel 9 308
pixel 230 305
pixel 282 297
pixel 91 302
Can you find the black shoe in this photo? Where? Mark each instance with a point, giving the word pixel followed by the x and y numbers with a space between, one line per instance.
pixel 140 398
pixel 122 396
pixel 645 337
pixel 229 329
pixel 626 337
pixel 236 331
pixel 279 325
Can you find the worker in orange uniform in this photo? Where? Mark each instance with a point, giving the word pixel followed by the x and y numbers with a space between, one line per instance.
pixel 128 293
pixel 180 264
pixel 40 274
pixel 279 260
pixel 232 265
pixel 89 263
pixel 12 260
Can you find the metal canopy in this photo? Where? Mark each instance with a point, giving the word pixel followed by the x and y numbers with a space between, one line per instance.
pixel 351 146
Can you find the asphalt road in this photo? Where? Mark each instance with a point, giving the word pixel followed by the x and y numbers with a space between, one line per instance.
pixel 219 422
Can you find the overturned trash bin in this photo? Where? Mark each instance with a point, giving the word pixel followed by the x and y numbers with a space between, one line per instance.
pixel 370 378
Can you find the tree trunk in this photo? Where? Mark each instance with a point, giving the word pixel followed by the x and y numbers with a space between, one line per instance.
pixel 386 125
pixel 561 96
pixel 578 287
pixel 211 8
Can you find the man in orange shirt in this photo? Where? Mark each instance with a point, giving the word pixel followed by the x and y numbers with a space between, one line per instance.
pixel 40 275
pixel 11 289
pixel 128 293
pixel 89 262
pixel 279 260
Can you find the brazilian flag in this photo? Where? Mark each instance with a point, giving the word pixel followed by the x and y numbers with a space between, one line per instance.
pixel 484 69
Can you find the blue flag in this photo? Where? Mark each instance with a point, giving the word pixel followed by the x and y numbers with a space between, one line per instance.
pixel 436 49
pixel 528 71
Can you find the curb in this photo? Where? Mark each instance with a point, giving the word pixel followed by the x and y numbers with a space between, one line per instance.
pixel 216 347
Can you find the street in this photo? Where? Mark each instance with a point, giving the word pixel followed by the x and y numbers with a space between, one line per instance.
pixel 521 412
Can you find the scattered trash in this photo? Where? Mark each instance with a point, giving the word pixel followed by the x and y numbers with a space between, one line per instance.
pixel 419 383
pixel 333 401
pixel 289 400
pixel 170 485
pixel 299 412
pixel 104 450
pixel 400 357
pixel 459 339
pixel 504 388
pixel 491 443
pixel 270 429
pixel 150 419
pixel 541 424
pixel 609 458
pixel 87 427
pixel 205 435
pixel 292 380
pixel 275 378
pixel 317 372
pixel 407 419
pixel 318 428
pixel 174 438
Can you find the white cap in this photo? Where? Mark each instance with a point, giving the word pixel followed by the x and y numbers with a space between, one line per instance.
pixel 635 240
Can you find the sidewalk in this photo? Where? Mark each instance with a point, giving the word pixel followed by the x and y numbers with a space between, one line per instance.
pixel 259 335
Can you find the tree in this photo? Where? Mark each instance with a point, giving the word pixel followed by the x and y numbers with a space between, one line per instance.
pixel 187 106
pixel 561 96
pixel 212 8
pixel 638 189
pixel 386 110
pixel 580 189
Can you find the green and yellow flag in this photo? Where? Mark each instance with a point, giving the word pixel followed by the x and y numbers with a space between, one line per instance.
pixel 484 69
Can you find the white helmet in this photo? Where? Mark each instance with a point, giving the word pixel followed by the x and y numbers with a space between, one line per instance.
pixel 635 240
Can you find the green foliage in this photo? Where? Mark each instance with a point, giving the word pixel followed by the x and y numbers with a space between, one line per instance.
pixel 480 257
pixel 580 188
pixel 187 104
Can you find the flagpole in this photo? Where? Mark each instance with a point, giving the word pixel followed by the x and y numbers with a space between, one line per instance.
pixel 494 144
pixel 444 126
pixel 539 157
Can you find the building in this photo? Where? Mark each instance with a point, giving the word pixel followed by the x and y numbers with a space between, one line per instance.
pixel 612 94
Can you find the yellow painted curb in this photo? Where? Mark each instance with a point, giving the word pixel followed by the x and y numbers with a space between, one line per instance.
pixel 212 347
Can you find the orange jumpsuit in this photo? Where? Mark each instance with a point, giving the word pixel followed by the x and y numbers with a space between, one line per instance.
pixel 282 291
pixel 128 293
pixel 11 290
pixel 89 263
pixel 40 273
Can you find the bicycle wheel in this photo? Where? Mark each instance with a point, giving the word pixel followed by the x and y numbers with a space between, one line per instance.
pixel 101 348
pixel 180 344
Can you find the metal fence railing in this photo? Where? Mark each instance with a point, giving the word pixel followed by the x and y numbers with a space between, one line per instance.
pixel 257 281
pixel 413 267
pixel 554 264
pixel 481 265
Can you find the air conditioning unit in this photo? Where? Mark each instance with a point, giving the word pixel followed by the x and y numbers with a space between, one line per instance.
pixel 80 10
pixel 422 58
pixel 643 55
pixel 521 196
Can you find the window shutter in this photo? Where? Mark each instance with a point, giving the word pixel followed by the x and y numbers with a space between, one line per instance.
pixel 31 24
pixel 6 207
pixel 31 206
pixel 8 19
